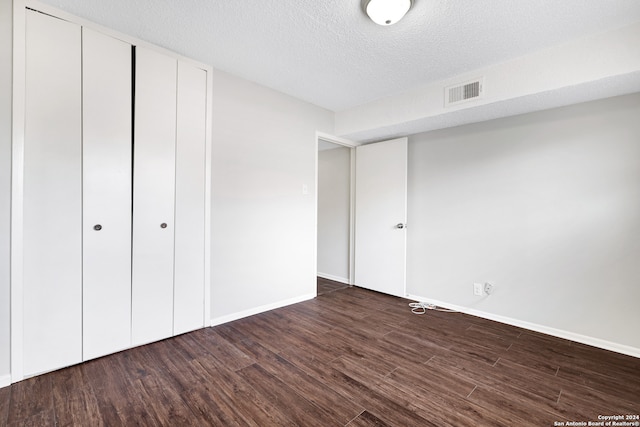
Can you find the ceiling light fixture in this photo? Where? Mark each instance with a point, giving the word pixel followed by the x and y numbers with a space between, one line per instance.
pixel 386 12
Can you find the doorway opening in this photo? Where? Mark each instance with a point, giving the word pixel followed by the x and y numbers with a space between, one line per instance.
pixel 335 160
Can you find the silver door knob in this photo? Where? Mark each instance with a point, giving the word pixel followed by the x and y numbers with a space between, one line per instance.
pixel 401 226
pixel 163 225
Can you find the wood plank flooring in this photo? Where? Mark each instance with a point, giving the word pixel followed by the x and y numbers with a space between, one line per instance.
pixel 325 286
pixel 350 357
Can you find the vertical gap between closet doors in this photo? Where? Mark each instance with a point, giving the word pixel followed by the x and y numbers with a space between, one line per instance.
pixel 133 153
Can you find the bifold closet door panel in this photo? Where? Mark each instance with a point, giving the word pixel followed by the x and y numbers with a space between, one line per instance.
pixel 52 287
pixel 190 198
pixel 107 126
pixel 153 196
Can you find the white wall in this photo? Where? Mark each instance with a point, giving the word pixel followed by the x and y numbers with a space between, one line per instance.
pixel 263 226
pixel 334 194
pixel 546 206
pixel 6 39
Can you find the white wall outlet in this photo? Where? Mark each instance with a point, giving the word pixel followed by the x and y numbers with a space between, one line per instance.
pixel 488 288
pixel 478 288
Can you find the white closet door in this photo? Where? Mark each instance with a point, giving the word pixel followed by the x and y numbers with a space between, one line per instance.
pixel 106 194
pixel 153 196
pixel 52 286
pixel 190 199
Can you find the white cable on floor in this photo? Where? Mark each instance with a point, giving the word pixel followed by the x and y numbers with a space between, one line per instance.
pixel 422 307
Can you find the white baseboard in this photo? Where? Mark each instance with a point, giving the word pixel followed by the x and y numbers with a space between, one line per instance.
pixel 584 339
pixel 261 309
pixel 5 380
pixel 334 278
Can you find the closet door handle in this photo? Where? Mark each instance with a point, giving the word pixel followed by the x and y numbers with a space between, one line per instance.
pixel 97 227
pixel 163 225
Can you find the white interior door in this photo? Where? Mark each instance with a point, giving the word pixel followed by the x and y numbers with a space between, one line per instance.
pixel 188 312
pixel 106 194
pixel 153 196
pixel 381 215
pixel 52 257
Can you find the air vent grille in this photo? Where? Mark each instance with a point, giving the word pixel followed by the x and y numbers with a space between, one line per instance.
pixel 463 92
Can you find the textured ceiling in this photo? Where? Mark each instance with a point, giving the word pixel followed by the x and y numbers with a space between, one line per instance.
pixel 329 53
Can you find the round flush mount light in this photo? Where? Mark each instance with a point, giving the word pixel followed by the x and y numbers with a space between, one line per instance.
pixel 386 12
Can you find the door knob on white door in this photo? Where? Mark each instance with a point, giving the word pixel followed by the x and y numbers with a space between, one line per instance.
pixel 401 226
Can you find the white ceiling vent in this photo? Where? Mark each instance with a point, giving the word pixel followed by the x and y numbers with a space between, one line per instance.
pixel 463 92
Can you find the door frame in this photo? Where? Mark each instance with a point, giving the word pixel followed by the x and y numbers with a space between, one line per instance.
pixel 321 136
pixel 17 184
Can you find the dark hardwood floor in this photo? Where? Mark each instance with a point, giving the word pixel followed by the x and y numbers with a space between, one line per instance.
pixel 349 357
pixel 325 286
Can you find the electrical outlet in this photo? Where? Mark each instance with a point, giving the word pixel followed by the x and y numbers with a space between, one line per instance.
pixel 478 289
pixel 488 288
